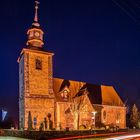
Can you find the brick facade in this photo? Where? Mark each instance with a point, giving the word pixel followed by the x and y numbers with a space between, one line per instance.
pixel 111 115
pixel 36 93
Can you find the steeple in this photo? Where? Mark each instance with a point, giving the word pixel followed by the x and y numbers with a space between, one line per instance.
pixel 36 14
pixel 35 33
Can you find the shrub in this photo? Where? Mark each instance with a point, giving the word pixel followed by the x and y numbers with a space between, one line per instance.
pixel 82 127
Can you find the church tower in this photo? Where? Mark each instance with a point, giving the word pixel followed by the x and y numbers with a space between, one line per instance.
pixel 36 98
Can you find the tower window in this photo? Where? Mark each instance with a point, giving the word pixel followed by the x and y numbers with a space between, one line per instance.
pixel 38 64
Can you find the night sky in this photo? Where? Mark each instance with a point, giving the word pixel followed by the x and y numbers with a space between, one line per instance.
pixel 96 41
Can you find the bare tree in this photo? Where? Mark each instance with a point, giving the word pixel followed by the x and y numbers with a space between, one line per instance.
pixel 77 102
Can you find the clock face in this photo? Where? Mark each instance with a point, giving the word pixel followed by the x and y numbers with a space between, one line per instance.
pixel 37 34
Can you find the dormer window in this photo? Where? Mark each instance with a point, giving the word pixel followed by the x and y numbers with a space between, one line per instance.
pixel 38 64
pixel 64 94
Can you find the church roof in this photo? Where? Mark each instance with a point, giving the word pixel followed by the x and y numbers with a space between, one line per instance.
pixel 98 94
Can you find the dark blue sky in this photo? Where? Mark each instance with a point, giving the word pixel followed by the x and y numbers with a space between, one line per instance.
pixel 97 41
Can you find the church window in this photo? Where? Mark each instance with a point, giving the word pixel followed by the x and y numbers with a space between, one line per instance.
pixel 38 64
pixel 64 94
pixel 118 116
pixel 104 114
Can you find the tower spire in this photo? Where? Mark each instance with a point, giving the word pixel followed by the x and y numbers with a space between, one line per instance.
pixel 36 13
pixel 35 33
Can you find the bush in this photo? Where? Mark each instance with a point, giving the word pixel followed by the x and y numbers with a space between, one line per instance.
pixel 82 127
pixel 112 127
pixel 100 125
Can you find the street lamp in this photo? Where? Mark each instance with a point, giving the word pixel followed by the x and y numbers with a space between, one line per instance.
pixel 93 118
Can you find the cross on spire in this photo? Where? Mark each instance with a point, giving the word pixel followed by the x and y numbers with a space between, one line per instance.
pixel 36 10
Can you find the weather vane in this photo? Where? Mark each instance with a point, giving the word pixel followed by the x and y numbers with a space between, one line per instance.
pixel 36 10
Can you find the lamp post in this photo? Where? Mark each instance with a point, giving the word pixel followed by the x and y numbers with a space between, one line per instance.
pixel 93 118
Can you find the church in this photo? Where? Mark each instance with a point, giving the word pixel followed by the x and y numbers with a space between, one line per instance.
pixel 54 103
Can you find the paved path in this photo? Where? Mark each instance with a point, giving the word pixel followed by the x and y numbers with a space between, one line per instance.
pixel 89 136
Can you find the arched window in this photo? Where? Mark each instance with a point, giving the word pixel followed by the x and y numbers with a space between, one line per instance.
pixel 104 115
pixel 38 64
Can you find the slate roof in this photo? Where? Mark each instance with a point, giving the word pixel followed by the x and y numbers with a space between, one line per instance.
pixel 98 94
